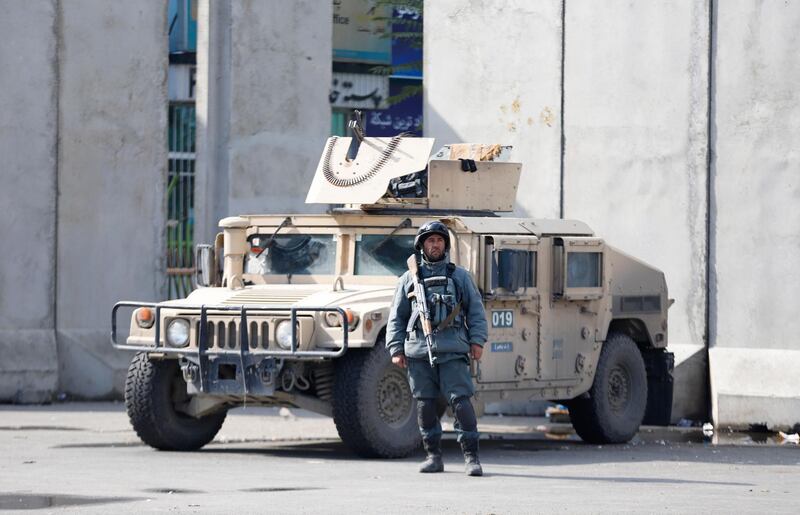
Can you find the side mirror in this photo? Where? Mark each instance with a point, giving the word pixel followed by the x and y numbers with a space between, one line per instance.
pixel 205 266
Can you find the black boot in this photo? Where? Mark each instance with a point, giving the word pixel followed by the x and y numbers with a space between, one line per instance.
pixel 433 463
pixel 472 465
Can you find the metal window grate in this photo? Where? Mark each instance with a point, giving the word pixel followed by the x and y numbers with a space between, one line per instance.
pixel 180 199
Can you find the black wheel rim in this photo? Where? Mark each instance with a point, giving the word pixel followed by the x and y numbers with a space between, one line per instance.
pixel 619 389
pixel 394 397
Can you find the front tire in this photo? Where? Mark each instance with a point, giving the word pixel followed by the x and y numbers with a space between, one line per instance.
pixel 153 391
pixel 617 400
pixel 373 409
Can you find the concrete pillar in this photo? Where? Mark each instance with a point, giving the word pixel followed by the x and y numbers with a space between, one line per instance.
pixel 29 107
pixel 112 160
pixel 264 73
pixel 636 102
pixel 492 74
pixel 212 105
pixel 755 350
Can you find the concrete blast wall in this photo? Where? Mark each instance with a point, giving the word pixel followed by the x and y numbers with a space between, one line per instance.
pixel 28 103
pixel 755 351
pixel 83 155
pixel 82 143
pixel 266 71
pixel 636 90
pixel 85 107
pixel 636 106
pixel 112 161
pixel 493 75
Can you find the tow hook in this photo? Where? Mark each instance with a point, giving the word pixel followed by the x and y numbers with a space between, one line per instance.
pixel 190 372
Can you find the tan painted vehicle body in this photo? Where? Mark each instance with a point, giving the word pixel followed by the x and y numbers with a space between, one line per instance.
pixel 549 311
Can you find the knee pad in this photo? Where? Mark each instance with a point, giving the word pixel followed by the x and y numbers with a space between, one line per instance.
pixel 465 414
pixel 426 413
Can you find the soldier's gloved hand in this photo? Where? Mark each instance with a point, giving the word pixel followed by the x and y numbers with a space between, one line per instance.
pixel 476 351
pixel 399 360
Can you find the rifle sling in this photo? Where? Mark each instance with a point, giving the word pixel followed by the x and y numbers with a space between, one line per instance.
pixel 444 324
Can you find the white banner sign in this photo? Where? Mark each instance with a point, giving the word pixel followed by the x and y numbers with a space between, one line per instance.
pixel 359 91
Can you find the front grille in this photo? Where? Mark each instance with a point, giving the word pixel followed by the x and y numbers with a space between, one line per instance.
pixel 224 334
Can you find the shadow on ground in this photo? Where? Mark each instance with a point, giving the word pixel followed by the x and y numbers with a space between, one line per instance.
pixel 539 452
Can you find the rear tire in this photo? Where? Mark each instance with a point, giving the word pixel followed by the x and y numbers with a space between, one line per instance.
pixel 373 409
pixel 615 406
pixel 152 390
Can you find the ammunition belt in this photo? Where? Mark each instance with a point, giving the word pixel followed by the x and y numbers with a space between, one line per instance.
pixel 327 171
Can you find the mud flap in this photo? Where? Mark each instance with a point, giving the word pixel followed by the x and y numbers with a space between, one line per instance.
pixel 659 365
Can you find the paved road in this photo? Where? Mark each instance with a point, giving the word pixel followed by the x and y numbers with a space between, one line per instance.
pixel 85 457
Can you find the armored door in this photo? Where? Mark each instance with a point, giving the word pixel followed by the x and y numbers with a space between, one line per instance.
pixel 511 299
pixel 578 285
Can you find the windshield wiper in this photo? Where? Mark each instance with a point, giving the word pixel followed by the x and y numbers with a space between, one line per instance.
pixel 286 221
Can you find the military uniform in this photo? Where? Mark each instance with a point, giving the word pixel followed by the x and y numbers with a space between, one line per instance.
pixel 459 320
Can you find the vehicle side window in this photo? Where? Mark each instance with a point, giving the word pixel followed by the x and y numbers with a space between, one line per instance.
pixel 513 269
pixel 584 270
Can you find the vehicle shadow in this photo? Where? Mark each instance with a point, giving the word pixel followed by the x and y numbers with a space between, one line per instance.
pixel 309 449
pixel 619 479
pixel 538 452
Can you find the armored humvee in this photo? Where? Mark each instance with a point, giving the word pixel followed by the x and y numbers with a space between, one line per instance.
pixel 291 310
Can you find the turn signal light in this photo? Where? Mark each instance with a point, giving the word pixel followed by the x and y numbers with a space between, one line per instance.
pixel 145 318
pixel 352 319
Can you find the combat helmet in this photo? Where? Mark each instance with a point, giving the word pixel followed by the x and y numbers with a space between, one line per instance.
pixel 434 227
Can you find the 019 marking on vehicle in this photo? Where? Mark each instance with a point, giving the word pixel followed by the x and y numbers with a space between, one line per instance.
pixel 502 347
pixel 502 318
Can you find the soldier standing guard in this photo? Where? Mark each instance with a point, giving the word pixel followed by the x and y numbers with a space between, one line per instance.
pixel 459 323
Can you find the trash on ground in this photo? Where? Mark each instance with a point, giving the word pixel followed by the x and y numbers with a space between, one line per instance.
pixel 557 414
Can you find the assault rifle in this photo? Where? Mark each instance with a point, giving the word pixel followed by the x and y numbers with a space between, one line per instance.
pixel 422 307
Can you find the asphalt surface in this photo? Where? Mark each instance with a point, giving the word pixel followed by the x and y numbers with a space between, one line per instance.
pixel 84 457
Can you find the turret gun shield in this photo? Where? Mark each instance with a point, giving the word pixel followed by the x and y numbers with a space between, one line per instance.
pixel 364 180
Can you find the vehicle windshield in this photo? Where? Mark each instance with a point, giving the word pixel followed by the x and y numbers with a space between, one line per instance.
pixel 292 254
pixel 379 254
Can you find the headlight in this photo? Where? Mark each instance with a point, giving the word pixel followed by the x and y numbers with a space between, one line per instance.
pixel 334 319
pixel 178 333
pixel 283 334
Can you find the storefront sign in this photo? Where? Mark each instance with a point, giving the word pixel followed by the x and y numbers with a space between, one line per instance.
pixel 357 35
